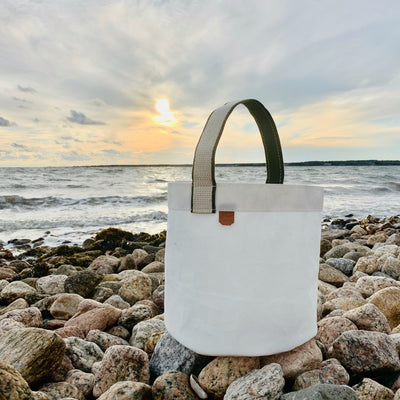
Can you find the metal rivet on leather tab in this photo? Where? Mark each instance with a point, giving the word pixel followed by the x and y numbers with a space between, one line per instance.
pixel 226 217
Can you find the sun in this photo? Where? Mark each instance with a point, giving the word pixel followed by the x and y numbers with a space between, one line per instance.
pixel 166 117
pixel 162 105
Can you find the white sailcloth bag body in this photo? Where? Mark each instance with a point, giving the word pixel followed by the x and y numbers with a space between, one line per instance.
pixel 241 264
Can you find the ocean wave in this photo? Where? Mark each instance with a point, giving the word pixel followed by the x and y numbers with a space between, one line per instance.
pixel 394 186
pixel 84 223
pixel 20 202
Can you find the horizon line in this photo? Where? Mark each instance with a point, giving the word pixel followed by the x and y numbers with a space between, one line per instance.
pixel 369 162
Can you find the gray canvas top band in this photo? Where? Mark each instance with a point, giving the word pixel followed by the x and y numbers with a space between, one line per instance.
pixel 203 172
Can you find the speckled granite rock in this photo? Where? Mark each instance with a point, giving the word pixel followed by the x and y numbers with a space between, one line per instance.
pixel 104 340
pixel 173 385
pixel 369 389
pixel 18 304
pixel 265 383
pixel 337 252
pixel 322 392
pixel 388 301
pixel 82 380
pixel 12 385
pixel 366 264
pixel 331 372
pixel 342 264
pixel 120 363
pixel 391 267
pixel 30 317
pixel 154 266
pixel 104 264
pixel 216 376
pixel 135 314
pixel 33 352
pixel 65 305
pixel 169 355
pixel 344 292
pixel 94 315
pixel 82 353
pixel 152 341
pixel 294 362
pixel 119 331
pixel 82 283
pixel 143 330
pixel 368 285
pixel 158 296
pixel 128 390
pixel 127 262
pixel 118 302
pixel 7 324
pixel 136 286
pixel 364 352
pixel 41 396
pixel 16 290
pixel 342 303
pixel 62 390
pixel 331 275
pixel 368 317
pixel 329 329
pixel 51 284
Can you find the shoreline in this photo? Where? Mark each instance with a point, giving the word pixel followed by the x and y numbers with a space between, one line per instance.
pixel 51 240
pixel 91 317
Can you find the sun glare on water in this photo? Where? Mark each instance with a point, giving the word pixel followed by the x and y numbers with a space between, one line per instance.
pixel 166 117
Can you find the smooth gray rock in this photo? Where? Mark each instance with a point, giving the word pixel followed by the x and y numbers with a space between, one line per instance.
pixel 342 264
pixel 322 392
pixel 170 355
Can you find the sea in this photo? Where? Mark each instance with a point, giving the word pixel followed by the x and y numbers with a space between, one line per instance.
pixel 71 204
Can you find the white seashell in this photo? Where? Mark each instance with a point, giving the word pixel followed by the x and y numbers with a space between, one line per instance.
pixel 194 383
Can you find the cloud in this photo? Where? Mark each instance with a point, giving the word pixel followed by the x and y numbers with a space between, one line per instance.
pixel 26 89
pixel 20 146
pixel 71 138
pixel 82 119
pixel 75 156
pixel 22 100
pixel 6 122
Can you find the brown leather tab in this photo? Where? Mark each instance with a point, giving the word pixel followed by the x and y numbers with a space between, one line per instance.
pixel 226 217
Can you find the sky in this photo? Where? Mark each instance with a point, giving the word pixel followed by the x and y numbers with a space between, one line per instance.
pixel 81 80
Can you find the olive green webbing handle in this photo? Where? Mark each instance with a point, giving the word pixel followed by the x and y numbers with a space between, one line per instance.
pixel 203 172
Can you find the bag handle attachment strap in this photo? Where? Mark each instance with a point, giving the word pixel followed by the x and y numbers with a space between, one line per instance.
pixel 203 172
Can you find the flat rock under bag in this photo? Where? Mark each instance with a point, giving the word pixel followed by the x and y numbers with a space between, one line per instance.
pixel 241 264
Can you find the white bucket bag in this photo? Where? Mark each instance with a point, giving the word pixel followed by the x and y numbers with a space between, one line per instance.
pixel 241 259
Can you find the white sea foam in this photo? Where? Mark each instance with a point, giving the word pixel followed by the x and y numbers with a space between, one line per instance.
pixel 76 202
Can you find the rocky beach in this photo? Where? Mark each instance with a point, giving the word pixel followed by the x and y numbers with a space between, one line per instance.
pixel 86 322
